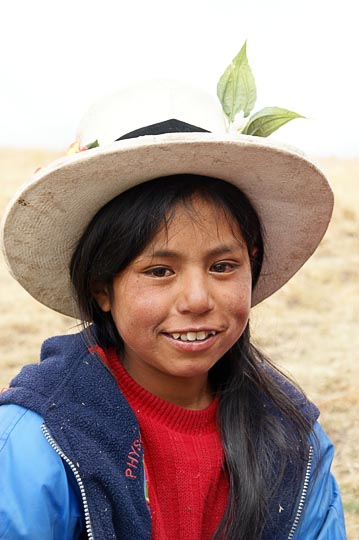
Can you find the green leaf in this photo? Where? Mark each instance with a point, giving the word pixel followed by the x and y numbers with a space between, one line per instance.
pixel 94 144
pixel 236 88
pixel 268 120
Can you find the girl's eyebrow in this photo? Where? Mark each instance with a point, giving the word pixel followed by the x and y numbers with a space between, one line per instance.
pixel 220 250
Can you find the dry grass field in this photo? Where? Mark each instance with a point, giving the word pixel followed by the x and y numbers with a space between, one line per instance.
pixel 310 327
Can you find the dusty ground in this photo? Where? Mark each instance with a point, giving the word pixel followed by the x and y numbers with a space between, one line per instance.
pixel 310 327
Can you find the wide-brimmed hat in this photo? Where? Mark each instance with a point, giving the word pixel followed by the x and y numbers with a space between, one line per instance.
pixel 152 130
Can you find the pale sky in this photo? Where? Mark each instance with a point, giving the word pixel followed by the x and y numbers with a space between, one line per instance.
pixel 57 57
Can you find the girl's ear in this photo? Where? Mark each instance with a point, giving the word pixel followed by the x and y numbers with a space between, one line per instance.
pixel 101 295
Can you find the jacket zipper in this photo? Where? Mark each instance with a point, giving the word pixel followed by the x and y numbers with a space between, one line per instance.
pixel 58 450
pixel 303 494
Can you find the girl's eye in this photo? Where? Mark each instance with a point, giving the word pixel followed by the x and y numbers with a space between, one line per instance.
pixel 223 267
pixel 159 272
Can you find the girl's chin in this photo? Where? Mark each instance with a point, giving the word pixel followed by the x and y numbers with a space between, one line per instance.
pixel 189 368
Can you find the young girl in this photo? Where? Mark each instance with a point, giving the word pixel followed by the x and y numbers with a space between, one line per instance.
pixel 161 419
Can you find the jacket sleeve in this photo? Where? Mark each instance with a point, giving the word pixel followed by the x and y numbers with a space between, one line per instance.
pixel 323 517
pixel 37 496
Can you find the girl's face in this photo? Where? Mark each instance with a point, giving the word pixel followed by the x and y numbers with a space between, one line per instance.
pixel 182 303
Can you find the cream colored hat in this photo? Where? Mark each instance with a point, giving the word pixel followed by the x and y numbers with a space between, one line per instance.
pixel 164 128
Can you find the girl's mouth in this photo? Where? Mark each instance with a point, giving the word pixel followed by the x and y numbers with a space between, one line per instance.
pixel 201 335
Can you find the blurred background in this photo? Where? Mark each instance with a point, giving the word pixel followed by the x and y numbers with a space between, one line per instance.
pixel 58 57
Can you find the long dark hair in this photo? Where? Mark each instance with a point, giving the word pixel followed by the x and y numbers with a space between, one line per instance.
pixel 257 443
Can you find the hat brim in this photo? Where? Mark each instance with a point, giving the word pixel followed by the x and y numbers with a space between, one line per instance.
pixel 48 216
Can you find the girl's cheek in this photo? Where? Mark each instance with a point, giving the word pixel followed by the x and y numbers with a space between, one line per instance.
pixel 239 296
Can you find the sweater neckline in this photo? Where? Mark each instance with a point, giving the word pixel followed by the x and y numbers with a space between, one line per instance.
pixel 144 403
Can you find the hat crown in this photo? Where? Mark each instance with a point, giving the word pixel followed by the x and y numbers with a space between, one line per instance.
pixel 148 103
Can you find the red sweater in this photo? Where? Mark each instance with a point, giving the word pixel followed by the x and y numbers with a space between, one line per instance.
pixel 187 484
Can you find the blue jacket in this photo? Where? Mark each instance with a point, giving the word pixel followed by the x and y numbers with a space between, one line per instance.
pixel 67 436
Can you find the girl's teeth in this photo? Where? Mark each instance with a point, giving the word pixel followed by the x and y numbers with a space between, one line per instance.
pixel 193 336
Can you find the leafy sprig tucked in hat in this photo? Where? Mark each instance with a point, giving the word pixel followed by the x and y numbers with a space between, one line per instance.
pixel 237 93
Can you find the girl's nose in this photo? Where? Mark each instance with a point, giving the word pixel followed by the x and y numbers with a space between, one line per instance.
pixel 195 295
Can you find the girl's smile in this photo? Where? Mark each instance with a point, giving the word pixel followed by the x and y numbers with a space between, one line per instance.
pixel 192 340
pixel 183 302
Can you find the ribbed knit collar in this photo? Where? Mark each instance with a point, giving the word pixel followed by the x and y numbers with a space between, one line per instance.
pixel 173 416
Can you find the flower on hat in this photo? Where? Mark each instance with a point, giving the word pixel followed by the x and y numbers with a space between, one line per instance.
pixel 75 147
pixel 237 92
